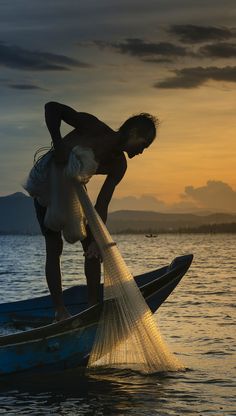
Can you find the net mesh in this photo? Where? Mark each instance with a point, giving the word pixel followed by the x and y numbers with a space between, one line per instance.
pixel 127 334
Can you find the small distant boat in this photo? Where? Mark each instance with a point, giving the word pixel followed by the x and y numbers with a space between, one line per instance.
pixel 67 344
pixel 150 235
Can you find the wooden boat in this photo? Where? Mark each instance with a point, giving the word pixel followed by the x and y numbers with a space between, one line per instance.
pixel 48 346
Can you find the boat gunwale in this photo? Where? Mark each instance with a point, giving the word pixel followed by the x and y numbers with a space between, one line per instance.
pixel 55 328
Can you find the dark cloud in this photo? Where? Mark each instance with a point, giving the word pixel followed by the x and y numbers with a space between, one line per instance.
pixel 194 77
pixel 219 50
pixel 215 195
pixel 25 87
pixel 143 49
pixel 16 57
pixel 158 60
pixel 198 34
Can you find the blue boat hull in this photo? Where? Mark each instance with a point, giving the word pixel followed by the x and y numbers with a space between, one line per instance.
pixel 67 344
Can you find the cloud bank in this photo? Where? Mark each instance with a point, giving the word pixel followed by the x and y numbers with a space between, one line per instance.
pixel 194 77
pixel 142 49
pixel 219 50
pixel 25 87
pixel 15 57
pixel 215 196
pixel 175 52
pixel 199 34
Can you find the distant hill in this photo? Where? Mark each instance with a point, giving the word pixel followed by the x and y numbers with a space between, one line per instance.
pixel 17 216
pixel 155 222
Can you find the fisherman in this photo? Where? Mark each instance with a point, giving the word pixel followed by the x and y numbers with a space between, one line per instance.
pixel 108 146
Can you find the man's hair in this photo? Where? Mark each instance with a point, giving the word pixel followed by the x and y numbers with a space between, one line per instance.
pixel 143 122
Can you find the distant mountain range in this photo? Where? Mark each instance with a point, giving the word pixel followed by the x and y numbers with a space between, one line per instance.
pixel 17 216
pixel 155 222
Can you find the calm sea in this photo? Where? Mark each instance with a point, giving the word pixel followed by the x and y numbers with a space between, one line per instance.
pixel 197 320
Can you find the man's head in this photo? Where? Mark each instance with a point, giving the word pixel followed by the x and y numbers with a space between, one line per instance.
pixel 137 133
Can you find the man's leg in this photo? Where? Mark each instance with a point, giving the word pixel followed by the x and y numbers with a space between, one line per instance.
pixel 92 269
pixel 54 245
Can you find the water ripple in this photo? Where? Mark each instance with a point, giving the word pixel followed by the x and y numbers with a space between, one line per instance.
pixel 196 320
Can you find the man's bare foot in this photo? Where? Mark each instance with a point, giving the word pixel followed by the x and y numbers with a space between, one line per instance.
pixel 61 314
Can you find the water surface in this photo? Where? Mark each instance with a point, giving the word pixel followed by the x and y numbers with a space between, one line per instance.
pixel 197 321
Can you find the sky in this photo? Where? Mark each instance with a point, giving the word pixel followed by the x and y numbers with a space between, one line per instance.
pixel 172 58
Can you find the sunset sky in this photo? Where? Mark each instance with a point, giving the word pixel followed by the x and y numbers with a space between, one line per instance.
pixel 172 58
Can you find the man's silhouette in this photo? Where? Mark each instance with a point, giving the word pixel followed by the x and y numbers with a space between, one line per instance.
pixel 108 146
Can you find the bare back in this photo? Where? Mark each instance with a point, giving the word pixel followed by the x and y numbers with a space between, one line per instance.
pixel 94 134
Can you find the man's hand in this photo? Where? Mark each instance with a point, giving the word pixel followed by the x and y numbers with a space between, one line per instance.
pixel 61 154
pixel 93 251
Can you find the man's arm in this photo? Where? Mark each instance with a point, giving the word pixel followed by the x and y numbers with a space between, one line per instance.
pixel 55 113
pixel 113 178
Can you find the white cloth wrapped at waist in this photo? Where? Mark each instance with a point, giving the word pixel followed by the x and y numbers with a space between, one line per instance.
pixel 54 187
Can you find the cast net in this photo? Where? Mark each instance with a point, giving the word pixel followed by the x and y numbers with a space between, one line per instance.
pixel 127 334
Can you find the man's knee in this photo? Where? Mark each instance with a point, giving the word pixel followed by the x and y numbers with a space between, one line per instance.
pixel 54 244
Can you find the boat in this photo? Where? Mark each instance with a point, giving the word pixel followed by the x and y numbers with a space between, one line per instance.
pixel 41 345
